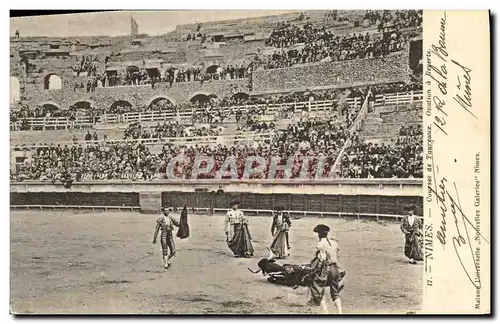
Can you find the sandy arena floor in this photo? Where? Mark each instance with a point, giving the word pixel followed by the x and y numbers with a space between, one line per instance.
pixel 66 262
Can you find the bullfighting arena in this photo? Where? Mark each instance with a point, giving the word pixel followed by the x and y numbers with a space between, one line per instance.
pixel 76 262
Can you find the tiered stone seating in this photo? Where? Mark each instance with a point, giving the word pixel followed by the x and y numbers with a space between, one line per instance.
pixel 384 125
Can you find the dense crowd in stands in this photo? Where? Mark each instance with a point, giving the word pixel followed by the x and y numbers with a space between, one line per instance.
pixel 333 48
pixel 257 126
pixel 24 111
pixel 313 133
pixel 307 139
pixel 401 159
pixel 92 162
pixel 168 129
pixel 127 161
pixel 394 18
pixel 241 153
pixel 293 97
pixel 286 34
pixel 19 117
pixel 397 87
pixel 309 43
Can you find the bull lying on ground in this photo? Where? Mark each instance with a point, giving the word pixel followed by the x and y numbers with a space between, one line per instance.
pixel 291 275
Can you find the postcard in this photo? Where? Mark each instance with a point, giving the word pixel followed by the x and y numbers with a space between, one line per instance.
pixel 250 162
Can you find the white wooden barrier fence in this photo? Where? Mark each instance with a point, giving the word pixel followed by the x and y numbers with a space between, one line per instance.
pixel 397 99
pixel 158 116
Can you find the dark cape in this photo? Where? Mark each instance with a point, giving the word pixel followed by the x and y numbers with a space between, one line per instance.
pixel 241 243
pixel 278 246
pixel 183 231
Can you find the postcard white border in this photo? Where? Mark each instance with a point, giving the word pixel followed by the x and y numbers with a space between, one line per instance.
pixel 188 4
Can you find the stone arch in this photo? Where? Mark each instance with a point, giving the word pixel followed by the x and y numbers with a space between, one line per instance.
pixel 49 103
pixel 50 106
pixel 82 105
pixel 159 98
pixel 120 106
pixel 212 68
pixel 52 81
pixel 201 98
pixel 15 89
pixel 241 95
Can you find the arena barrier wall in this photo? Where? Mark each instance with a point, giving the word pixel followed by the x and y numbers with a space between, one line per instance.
pixel 350 197
pixel 343 74
pixel 136 95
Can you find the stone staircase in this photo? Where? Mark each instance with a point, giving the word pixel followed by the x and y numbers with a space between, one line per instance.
pixel 384 126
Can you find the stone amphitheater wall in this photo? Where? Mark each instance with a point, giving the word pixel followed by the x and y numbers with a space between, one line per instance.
pixel 392 68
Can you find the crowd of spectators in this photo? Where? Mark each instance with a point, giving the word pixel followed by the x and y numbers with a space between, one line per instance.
pixel 286 34
pixel 311 139
pixel 394 18
pixel 220 153
pixel 403 158
pixel 228 73
pixel 183 75
pixel 397 87
pixel 307 139
pixel 154 77
pixel 87 64
pixel 331 48
pixel 330 15
pixel 257 126
pixel 410 133
pixel 309 43
pixel 168 130
pixel 19 117
pixel 211 114
pixel 292 97
pixel 93 162
pixel 23 111
pixel 313 133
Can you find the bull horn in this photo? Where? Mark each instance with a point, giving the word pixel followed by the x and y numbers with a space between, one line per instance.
pixel 253 271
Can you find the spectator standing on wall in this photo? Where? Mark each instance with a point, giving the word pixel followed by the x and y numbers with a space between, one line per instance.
pixel 72 119
pixel 88 136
